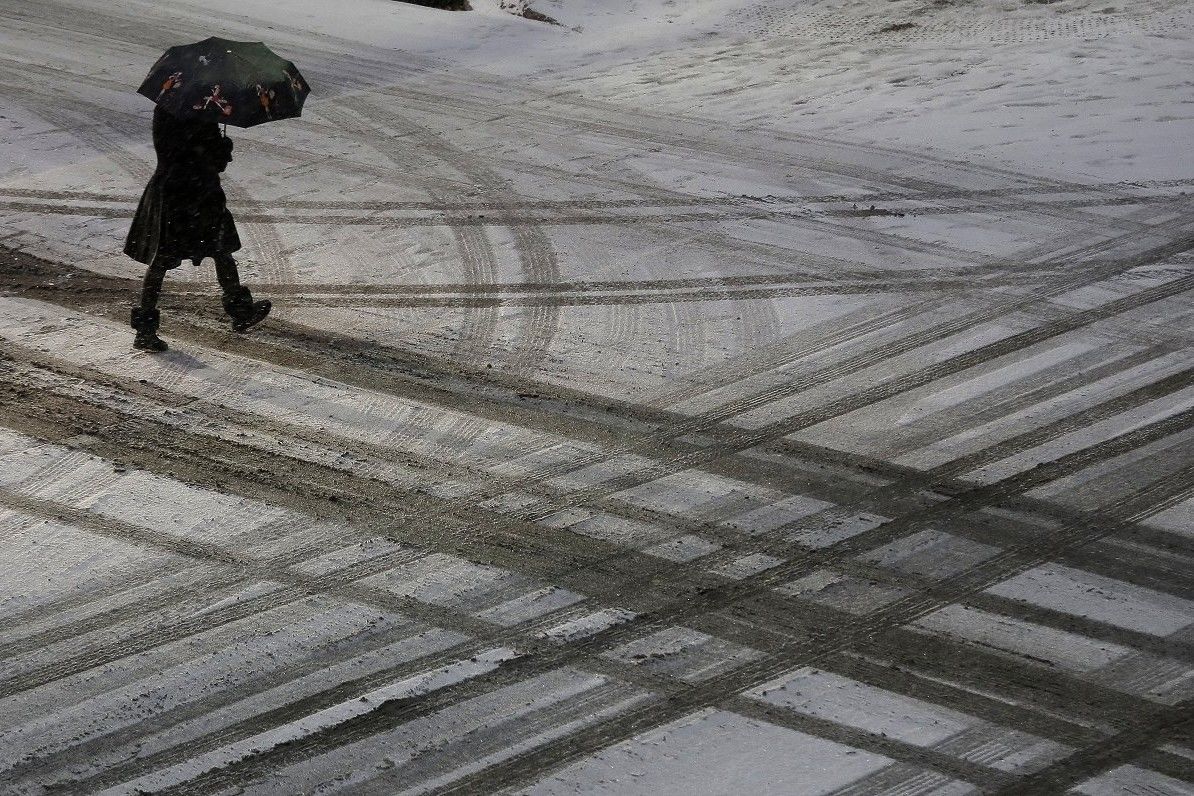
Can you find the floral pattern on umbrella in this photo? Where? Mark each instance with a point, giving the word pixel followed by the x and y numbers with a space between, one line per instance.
pixel 234 82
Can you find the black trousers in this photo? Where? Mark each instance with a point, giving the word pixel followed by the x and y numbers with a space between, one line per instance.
pixel 151 288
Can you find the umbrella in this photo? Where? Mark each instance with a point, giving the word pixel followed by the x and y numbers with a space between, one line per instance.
pixel 242 83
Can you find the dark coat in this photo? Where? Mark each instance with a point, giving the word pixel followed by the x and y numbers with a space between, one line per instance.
pixel 183 213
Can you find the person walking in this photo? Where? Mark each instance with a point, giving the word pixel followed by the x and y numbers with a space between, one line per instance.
pixel 183 215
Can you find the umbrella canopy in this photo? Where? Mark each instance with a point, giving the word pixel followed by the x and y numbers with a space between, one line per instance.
pixel 242 83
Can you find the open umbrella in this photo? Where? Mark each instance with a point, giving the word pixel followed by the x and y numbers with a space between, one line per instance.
pixel 242 83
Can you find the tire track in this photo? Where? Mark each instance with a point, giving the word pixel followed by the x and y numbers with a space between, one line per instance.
pixel 535 249
pixel 627 299
pixel 1021 485
pixel 740 440
pixel 477 256
pixel 785 21
pixel 749 280
pixel 1121 749
pixel 527 766
pixel 995 309
pixel 1072 422
pixel 456 214
pixel 479 336
pixel 1058 382
pixel 882 500
pixel 1102 220
pixel 1089 221
pixel 1087 317
pixel 1100 191
pixel 665 130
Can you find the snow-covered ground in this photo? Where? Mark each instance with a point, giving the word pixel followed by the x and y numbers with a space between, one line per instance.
pixel 693 396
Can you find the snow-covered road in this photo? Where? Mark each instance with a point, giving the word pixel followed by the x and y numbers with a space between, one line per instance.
pixel 710 397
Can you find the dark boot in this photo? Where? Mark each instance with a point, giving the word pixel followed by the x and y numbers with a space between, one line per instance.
pixel 146 323
pixel 245 312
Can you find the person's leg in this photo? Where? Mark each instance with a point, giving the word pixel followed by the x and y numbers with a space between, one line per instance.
pixel 238 300
pixel 151 286
pixel 146 318
pixel 227 274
